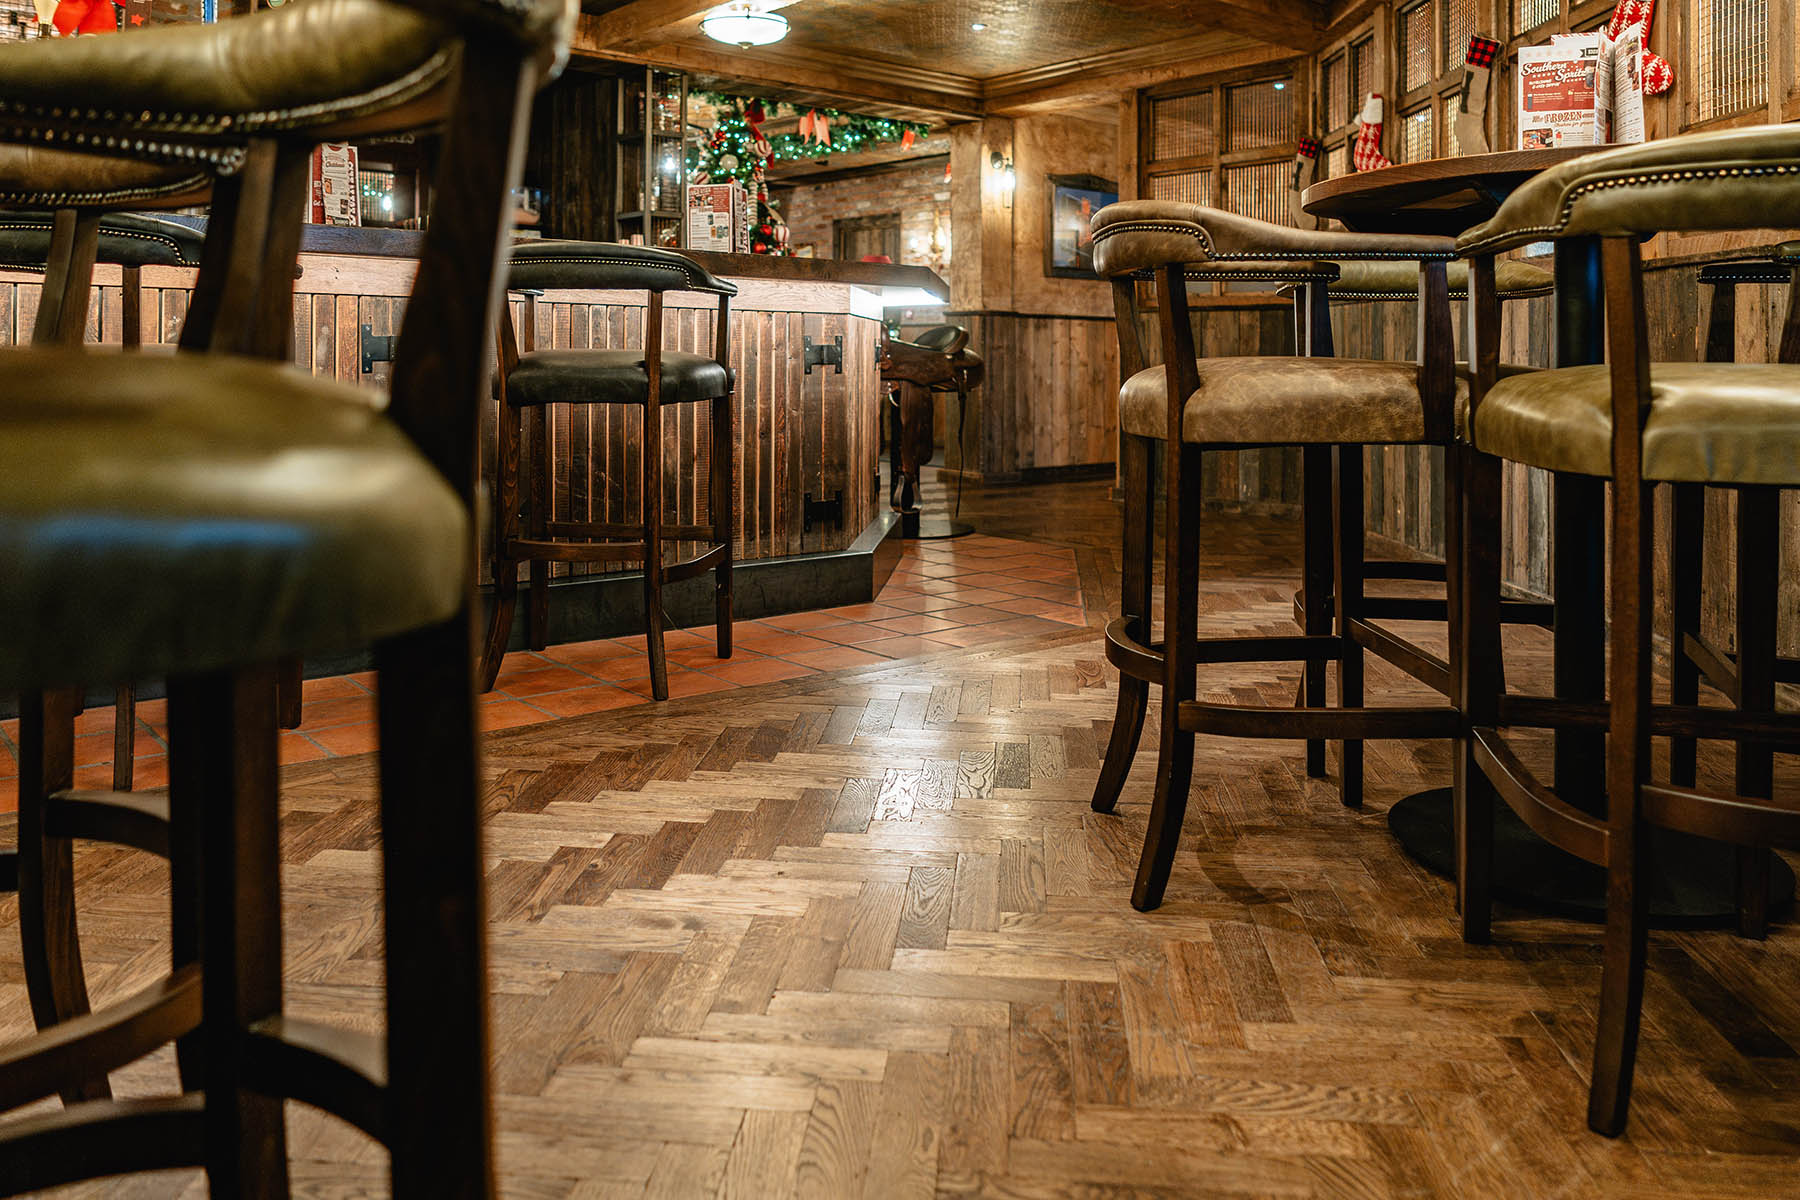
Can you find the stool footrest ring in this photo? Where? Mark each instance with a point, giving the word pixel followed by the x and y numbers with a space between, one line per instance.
pixel 136 819
pixel 101 1138
pixel 37 1066
pixel 1144 661
pixel 1329 724
pixel 1547 814
pixel 338 1070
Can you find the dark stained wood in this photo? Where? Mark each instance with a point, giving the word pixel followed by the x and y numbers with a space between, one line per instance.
pixel 1438 195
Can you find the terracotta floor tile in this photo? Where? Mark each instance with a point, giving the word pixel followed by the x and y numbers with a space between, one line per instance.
pixel 153 712
pixel 498 712
pixel 332 687
pixel 802 620
pixel 938 587
pixel 920 604
pixel 993 579
pixel 705 658
pixel 758 670
pixel 972 614
pixel 682 683
pixel 346 739
pixel 972 635
pixel 150 771
pixel 92 748
pixel 778 642
pixel 525 684
pixel 9 765
pixel 906 647
pixel 856 633
pixel 837 658
pixel 580 654
pixel 1028 606
pixel 327 713
pixel 965 594
pixel 1049 591
pixel 366 678
pixel 864 612
pixel 673 638
pixel 918 624
pixel 576 701
pixel 9 795
pixel 94 720
pixel 628 666
pixel 298 748
pixel 930 570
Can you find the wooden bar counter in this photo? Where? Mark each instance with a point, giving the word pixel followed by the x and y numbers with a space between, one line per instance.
pixel 807 435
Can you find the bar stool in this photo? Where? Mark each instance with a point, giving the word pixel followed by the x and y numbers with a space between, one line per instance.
pixel 938 361
pixel 130 242
pixel 1635 423
pixel 1392 281
pixel 1755 538
pixel 199 516
pixel 532 380
pixel 1329 406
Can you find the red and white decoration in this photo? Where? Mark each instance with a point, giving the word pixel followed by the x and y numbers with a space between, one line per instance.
pixel 1365 153
pixel 1634 16
pixel 71 17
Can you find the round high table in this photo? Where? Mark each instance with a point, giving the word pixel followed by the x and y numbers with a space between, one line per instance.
pixel 1696 878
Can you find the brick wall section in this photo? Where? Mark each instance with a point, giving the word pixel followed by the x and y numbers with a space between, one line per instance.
pixel 920 194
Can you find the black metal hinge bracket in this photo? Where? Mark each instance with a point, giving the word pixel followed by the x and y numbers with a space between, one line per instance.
pixel 826 512
pixel 823 355
pixel 376 349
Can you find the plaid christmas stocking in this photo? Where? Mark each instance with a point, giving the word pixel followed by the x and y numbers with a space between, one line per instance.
pixel 1306 166
pixel 1634 16
pixel 1472 101
pixel 1366 154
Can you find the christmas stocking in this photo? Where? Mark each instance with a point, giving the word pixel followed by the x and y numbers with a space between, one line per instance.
pixel 1634 16
pixel 1306 165
pixel 1472 101
pixel 83 16
pixel 1366 154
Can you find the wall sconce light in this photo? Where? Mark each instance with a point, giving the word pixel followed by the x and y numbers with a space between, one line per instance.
pixel 1003 167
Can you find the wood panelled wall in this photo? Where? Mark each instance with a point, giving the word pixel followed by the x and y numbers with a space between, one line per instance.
pixel 796 434
pixel 1049 402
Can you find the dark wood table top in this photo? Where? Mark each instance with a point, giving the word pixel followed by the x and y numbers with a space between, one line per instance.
pixel 1439 195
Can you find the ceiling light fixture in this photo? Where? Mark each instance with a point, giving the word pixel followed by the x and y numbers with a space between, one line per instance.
pixel 744 23
pixel 978 27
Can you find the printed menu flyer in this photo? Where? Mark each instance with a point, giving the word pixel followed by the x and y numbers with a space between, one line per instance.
pixel 1583 89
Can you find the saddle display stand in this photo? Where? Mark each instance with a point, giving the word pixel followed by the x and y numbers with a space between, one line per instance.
pixel 938 361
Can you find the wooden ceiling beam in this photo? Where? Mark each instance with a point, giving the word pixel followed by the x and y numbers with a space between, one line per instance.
pixel 1292 24
pixel 1106 85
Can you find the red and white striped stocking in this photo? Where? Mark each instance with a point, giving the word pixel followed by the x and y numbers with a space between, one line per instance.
pixel 1365 154
pixel 1634 16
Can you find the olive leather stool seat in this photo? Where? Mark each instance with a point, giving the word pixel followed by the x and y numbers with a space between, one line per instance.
pixel 208 515
pixel 531 380
pixel 1637 424
pixel 130 241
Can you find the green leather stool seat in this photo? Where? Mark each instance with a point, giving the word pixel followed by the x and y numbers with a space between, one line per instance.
pixel 1726 423
pixel 174 514
pixel 1388 280
pixel 34 177
pixel 612 377
pixel 126 240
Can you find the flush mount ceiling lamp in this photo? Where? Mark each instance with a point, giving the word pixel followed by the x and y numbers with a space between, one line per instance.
pixel 744 23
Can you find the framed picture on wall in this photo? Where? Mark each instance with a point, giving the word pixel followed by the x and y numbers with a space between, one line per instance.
pixel 1069 240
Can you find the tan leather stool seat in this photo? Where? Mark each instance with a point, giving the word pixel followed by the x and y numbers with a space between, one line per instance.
pixel 1283 401
pixel 1390 280
pixel 1708 422
pixel 611 377
pixel 163 514
pixel 37 176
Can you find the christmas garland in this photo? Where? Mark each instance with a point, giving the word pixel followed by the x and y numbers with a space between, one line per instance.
pixel 738 149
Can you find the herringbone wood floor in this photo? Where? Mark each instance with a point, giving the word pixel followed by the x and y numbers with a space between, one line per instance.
pixel 860 935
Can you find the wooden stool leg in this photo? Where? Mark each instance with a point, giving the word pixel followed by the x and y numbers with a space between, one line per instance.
pixel 537 606
pixel 506 526
pixel 1181 622
pixel 1316 575
pixel 289 677
pixel 124 736
pixel 52 950
pixel 1758 544
pixel 223 741
pixel 1138 478
pixel 436 928
pixel 1347 595
pixel 1476 651
pixel 1687 540
pixel 722 493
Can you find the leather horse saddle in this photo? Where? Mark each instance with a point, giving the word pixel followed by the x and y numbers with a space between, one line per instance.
pixel 938 361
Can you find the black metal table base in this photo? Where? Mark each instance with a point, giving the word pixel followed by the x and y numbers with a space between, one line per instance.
pixel 913 528
pixel 1693 883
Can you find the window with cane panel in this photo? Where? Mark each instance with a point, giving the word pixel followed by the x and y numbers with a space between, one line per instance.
pixel 1729 46
pixel 1346 76
pixel 1226 142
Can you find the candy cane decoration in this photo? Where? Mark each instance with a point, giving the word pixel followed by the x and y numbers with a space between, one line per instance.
pixel 1366 155
pixel 1634 16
